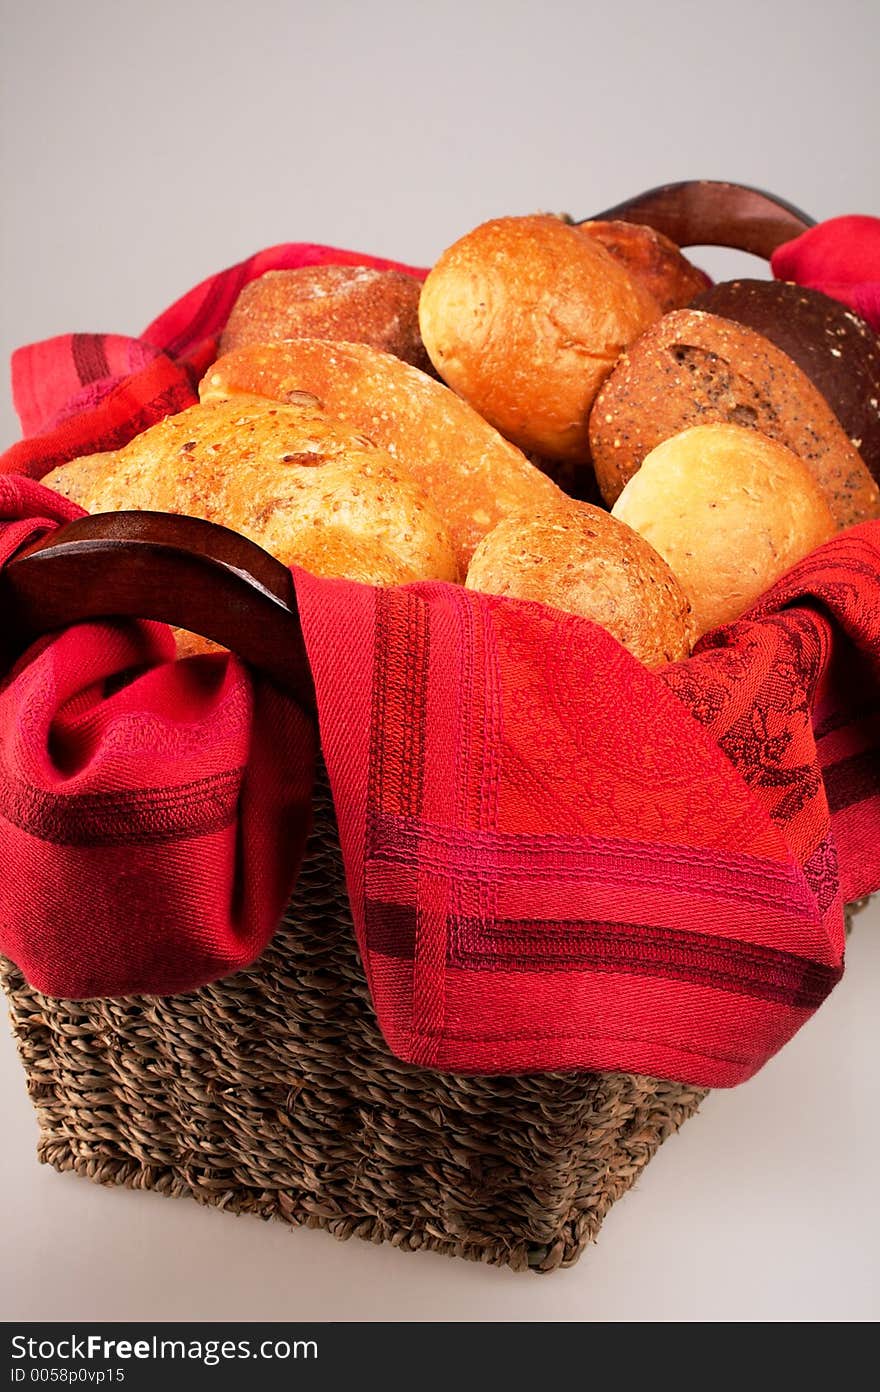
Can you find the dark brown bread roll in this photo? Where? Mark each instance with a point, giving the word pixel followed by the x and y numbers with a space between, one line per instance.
pixel 837 350
pixel 694 368
pixel 354 304
pixel 651 258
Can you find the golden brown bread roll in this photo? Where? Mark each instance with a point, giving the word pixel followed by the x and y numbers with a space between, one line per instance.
pixel 525 317
pixel 580 559
pixel 697 369
pixel 472 476
pixel 653 259
pixel 305 488
pixel 729 511
pixel 193 644
pixel 357 304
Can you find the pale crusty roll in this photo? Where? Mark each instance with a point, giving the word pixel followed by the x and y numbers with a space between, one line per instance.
pixel 580 559
pixel 308 490
pixel 525 317
pixel 693 368
pixel 729 511
pixel 472 476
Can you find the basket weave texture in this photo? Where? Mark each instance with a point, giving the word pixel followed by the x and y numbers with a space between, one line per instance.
pixel 272 1092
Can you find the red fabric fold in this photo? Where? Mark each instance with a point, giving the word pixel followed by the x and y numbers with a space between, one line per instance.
pixel 555 858
pixel 840 257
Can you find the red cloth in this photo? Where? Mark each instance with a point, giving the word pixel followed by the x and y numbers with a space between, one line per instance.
pixel 555 858
pixel 840 257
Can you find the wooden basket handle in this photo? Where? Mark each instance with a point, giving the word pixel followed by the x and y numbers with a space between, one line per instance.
pixel 179 570
pixel 708 212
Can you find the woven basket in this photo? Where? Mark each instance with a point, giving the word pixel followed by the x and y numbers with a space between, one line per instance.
pixel 273 1092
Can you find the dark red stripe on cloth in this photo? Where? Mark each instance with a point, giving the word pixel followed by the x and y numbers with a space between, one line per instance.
pixel 400 666
pixel 224 288
pixel 638 949
pixel 853 780
pixel 533 859
pixel 196 808
pixel 89 357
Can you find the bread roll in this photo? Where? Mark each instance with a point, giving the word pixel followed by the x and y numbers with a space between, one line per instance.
pixel 524 318
pixel 651 258
pixel 580 559
pixel 306 489
pixel 836 349
pixel 697 369
pixel 730 511
pixel 353 303
pixel 193 644
pixel 472 476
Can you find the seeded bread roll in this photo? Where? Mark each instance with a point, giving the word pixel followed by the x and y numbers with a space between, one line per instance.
pixel 694 368
pixel 524 318
pixel 653 259
pixel 472 476
pixel 580 559
pixel 357 304
pixel 837 350
pixel 308 490
pixel 729 511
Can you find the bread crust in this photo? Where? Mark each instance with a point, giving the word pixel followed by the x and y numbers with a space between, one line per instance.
pixel 836 349
pixel 582 560
pixel 359 304
pixel 729 511
pixel 694 368
pixel 525 317
pixel 473 477
pixel 653 259
pixel 303 487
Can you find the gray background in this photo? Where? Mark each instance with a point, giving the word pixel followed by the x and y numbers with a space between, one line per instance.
pixel 143 150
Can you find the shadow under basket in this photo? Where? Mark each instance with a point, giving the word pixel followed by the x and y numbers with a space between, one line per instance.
pixel 272 1092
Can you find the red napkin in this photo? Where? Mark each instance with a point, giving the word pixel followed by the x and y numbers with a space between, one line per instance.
pixel 555 858
pixel 840 257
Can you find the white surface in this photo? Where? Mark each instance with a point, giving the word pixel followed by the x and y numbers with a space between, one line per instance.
pixel 143 149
